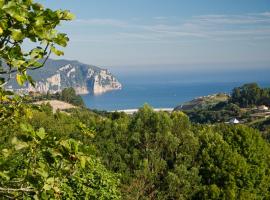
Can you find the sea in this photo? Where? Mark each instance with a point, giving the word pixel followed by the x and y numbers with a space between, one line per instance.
pixel 170 89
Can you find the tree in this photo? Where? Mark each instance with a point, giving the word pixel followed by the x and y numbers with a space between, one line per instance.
pixel 69 95
pixel 33 163
pixel 24 21
pixel 247 95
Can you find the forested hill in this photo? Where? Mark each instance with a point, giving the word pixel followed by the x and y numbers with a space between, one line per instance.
pixel 249 103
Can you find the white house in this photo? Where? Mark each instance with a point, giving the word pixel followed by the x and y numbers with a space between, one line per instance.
pixel 263 108
pixel 234 121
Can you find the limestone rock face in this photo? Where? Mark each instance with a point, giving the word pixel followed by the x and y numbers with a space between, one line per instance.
pixel 59 74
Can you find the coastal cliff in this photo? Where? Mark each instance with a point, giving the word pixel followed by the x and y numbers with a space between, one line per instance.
pixel 59 74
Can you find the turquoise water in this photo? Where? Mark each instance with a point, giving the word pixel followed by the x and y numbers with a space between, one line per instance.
pixel 163 91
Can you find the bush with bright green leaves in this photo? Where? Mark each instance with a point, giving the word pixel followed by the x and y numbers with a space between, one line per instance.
pixel 41 166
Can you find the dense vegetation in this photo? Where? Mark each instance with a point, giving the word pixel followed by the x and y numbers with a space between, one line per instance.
pixel 155 155
pixel 34 162
pixel 56 162
pixel 67 95
pixel 250 95
pixel 83 155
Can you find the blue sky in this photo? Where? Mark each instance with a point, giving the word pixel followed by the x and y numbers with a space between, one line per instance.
pixel 164 34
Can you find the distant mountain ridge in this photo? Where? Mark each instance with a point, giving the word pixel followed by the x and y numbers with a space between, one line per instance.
pixel 59 74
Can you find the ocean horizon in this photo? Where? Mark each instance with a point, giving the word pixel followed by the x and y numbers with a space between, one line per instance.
pixel 160 92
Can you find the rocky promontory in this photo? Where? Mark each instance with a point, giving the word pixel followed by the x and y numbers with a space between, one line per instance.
pixel 59 74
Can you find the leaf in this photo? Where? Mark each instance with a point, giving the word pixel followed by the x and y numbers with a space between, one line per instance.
pixel 5 152
pixel 67 15
pixel 14 140
pixel 16 34
pixel 41 133
pixel 20 79
pixel 4 175
pixel 39 21
pixel 47 187
pixel 83 161
pixel 50 180
pixel 61 39
pixel 20 145
pixel 57 52
pixel 36 53
pixel 17 63
pixel 31 81
pixel 42 172
pixel 1 31
pixel 56 189
pixel 19 18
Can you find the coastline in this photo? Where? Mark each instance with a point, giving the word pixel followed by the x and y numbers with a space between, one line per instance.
pixel 134 110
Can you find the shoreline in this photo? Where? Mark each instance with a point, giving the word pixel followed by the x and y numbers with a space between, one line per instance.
pixel 134 110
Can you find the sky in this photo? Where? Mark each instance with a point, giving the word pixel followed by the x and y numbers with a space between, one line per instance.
pixel 168 34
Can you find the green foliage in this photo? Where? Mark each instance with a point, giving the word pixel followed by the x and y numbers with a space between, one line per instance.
pixel 157 155
pixel 47 164
pixel 24 21
pixel 239 105
pixel 37 162
pixel 162 156
pixel 69 95
pixel 82 155
pixel 233 163
pixel 250 95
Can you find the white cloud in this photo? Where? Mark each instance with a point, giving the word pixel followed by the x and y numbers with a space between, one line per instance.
pixel 216 27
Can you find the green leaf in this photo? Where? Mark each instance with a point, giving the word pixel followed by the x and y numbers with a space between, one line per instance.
pixel 50 180
pixel 1 31
pixel 61 39
pixel 6 152
pixel 41 133
pixel 37 53
pixel 4 175
pixel 24 127
pixel 56 51
pixel 67 15
pixel 1 3
pixel 31 81
pixel 18 63
pixel 83 161
pixel 42 172
pixel 18 144
pixel 16 34
pixel 39 21
pixel 19 18
pixel 21 145
pixel 47 187
pixel 14 141
pixel 19 79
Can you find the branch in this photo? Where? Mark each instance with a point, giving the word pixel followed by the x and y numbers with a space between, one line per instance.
pixel 9 71
pixel 16 190
pixel 33 68
pixel 43 63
